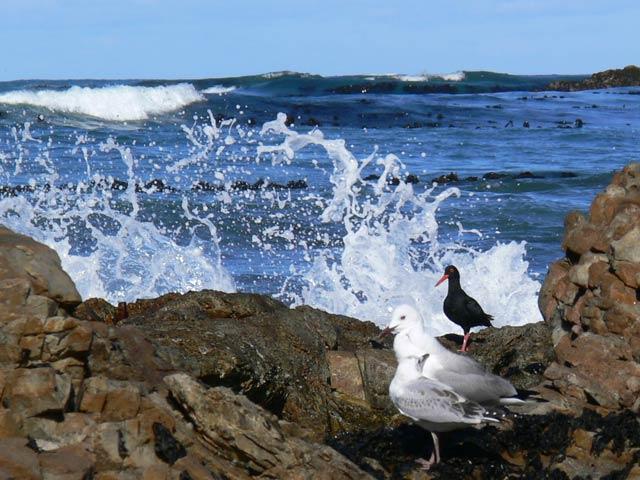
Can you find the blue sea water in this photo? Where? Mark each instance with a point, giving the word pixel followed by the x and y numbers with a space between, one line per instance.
pixel 310 206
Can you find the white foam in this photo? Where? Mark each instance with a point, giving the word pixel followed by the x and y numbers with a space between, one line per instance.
pixel 131 257
pixel 391 246
pixel 218 90
pixel 115 103
pixel 425 77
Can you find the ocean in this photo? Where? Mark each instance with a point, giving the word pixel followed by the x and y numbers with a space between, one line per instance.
pixel 315 190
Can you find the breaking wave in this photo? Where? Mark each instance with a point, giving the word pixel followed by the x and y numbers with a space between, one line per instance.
pixel 113 103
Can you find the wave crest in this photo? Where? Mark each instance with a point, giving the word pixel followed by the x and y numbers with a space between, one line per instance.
pixel 114 103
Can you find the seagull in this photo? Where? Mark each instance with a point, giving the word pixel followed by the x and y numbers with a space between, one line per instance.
pixel 460 308
pixel 440 390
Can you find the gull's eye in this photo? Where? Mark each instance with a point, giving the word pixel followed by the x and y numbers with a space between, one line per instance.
pixel 403 317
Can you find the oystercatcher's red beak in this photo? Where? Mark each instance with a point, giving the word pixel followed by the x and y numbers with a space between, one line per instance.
pixel 444 277
pixel 386 332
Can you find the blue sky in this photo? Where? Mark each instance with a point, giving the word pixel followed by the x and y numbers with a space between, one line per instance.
pixel 200 38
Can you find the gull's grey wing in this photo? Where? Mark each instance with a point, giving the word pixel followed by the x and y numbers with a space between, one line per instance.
pixel 461 364
pixel 432 401
pixel 480 387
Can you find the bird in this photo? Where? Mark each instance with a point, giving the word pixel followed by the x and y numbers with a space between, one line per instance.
pixel 460 308
pixel 431 403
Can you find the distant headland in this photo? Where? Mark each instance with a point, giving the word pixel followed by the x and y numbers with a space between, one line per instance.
pixel 628 76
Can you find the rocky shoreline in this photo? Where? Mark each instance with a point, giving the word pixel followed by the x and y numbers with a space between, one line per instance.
pixel 628 76
pixel 210 385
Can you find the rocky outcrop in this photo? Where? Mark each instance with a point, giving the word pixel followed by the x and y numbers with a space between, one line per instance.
pixel 23 258
pixel 83 399
pixel 628 76
pixel 591 300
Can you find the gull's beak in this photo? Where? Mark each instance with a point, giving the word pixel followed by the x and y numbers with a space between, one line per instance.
pixel 386 332
pixel 444 277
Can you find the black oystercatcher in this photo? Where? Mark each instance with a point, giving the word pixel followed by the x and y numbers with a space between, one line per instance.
pixel 460 308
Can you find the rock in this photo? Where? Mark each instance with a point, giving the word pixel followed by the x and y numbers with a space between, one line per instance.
pixel 34 391
pixel 625 77
pixel 167 448
pixel 249 435
pixel 591 299
pixel 22 257
pixel 67 463
pixel 448 178
pixel 263 349
pixel 17 461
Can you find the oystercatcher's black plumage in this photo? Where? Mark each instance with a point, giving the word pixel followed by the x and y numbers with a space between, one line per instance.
pixel 460 308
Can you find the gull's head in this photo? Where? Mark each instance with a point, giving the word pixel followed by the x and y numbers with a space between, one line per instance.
pixel 403 319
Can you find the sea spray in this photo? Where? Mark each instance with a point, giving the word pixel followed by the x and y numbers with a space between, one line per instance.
pixel 108 243
pixel 391 247
pixel 350 249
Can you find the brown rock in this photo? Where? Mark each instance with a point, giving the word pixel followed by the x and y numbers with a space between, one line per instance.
pixel 628 272
pixel 121 404
pixel 627 248
pixel 17 461
pixel 36 390
pixel 23 257
pixel 345 374
pixel 50 434
pixel 13 291
pixel 74 462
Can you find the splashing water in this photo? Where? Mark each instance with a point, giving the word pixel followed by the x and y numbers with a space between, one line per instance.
pixel 390 246
pixel 105 243
pixel 378 239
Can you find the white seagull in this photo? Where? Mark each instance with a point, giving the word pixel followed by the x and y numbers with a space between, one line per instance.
pixel 440 390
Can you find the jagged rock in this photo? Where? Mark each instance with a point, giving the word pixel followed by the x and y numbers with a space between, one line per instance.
pixel 592 302
pixel 263 349
pixel 249 435
pixel 23 257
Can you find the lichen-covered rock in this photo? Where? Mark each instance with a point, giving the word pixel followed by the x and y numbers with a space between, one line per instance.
pixel 591 300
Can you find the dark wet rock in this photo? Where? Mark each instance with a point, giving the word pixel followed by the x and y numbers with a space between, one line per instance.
pixel 578 123
pixel 472 179
pixel 167 448
pixel 371 177
pixel 154 186
pixel 527 174
pixel 259 347
pixel 628 76
pixel 448 178
pixel 411 178
pixel 553 445
pixel 494 176
pixel 290 120
pixel 525 124
pixel 203 186
pixel 568 175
